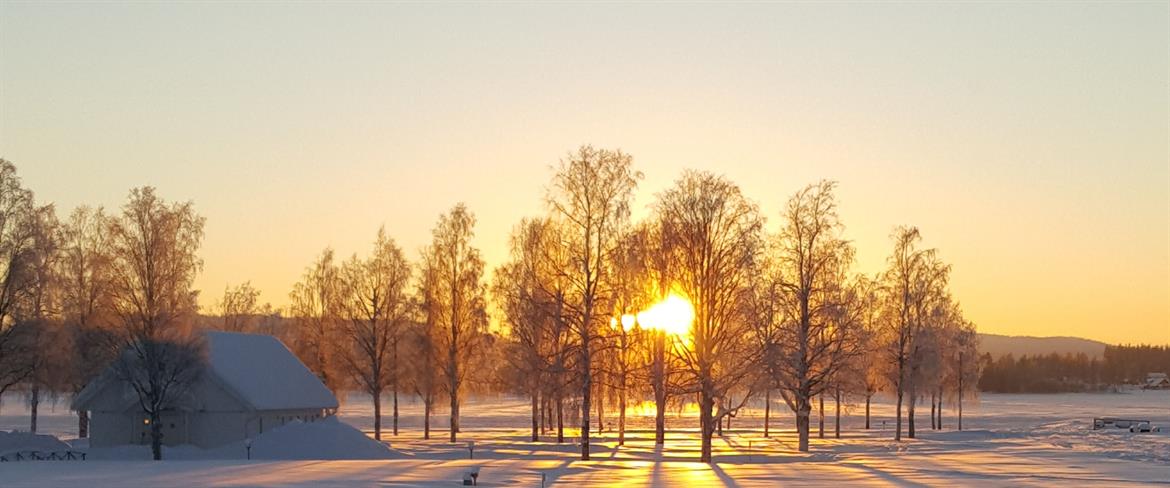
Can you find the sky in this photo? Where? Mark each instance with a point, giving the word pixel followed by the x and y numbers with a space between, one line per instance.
pixel 1030 142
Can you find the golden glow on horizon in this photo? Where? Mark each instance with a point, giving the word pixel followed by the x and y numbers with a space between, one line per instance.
pixel 1084 115
pixel 673 315
pixel 647 408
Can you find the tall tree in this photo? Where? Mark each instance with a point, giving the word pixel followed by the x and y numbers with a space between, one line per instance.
pixel 86 280
pixel 315 304
pixel 813 259
pixel 555 288
pixel 424 371
pixel 913 281
pixel 590 197
pixel 154 247
pixel 456 290
pixel 17 276
pixel 40 311
pixel 524 306
pixel 967 365
pixel 868 368
pixel 376 307
pixel 657 269
pixel 634 292
pixel 712 238
pixel 239 307
pixel 765 307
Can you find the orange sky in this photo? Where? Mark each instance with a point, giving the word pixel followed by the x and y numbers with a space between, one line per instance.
pixel 1028 142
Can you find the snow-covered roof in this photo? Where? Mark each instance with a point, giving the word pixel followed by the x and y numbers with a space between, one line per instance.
pixel 256 369
pixel 264 373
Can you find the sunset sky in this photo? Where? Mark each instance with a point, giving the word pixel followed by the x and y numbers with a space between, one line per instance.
pixel 1029 142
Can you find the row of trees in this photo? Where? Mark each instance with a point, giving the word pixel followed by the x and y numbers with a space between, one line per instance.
pixel 578 276
pixel 95 290
pixel 382 325
pixel 1131 363
pixel 1054 373
pixel 696 303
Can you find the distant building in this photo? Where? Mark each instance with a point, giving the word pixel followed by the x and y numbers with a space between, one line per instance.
pixel 253 383
pixel 1156 381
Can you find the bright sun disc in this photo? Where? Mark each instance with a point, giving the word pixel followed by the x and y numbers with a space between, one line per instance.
pixel 673 315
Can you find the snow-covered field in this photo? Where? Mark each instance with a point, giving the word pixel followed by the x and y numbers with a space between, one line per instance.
pixel 1008 440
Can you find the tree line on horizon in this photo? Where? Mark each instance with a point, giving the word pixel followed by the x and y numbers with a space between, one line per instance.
pixel 777 314
pixel 1067 373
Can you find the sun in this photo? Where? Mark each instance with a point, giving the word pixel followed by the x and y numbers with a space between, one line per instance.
pixel 673 315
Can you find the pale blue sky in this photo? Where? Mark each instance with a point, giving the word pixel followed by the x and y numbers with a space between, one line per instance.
pixel 1028 141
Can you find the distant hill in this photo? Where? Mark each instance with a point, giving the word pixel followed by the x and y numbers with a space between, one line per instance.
pixel 999 345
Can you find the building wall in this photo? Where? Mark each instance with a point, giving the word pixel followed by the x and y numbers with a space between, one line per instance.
pixel 175 427
pixel 272 419
pixel 110 424
pixel 214 429
pixel 212 417
pixel 217 417
pixel 111 429
pixel 209 417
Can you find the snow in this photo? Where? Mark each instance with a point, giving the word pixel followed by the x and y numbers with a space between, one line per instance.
pixel 328 439
pixel 325 439
pixel 24 441
pixel 261 370
pixel 1029 440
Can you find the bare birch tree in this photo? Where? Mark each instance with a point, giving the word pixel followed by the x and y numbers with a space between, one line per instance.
pixel 524 305
pixel 17 277
pixel 869 367
pixel 657 267
pixel 154 246
pixel 766 309
pixel 813 259
pixel 712 238
pixel 912 282
pixel 86 278
pixel 967 365
pixel 315 304
pixel 634 292
pixel 424 372
pixel 40 311
pixel 376 306
pixel 590 198
pixel 457 290
pixel 239 307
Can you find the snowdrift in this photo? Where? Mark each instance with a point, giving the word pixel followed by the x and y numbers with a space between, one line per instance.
pixel 327 439
pixel 26 441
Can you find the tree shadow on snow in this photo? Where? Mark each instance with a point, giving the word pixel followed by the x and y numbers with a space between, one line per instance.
pixel 896 480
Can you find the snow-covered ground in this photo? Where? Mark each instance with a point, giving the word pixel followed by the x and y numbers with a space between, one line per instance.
pixel 1008 440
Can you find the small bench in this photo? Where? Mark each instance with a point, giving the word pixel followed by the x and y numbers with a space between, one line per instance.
pixel 1115 423
pixel 1136 426
pixel 471 477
